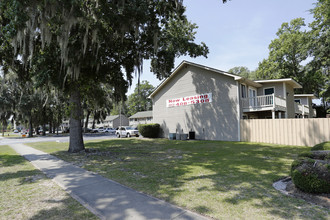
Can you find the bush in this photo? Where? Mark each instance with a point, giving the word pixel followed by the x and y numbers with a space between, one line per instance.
pixel 322 146
pixel 311 173
pixel 149 130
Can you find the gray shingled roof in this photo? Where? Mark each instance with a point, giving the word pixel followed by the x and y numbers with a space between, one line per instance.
pixel 144 114
pixel 111 117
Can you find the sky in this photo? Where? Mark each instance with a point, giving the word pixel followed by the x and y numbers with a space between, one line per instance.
pixel 237 33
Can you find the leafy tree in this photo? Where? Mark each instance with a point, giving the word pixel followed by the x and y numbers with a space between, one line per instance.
pixel 286 53
pixel 98 41
pixel 243 71
pixel 138 100
pixel 7 102
pixel 320 45
pixel 119 108
pixel 295 46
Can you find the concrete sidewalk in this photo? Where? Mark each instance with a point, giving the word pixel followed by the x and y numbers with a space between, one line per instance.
pixel 105 198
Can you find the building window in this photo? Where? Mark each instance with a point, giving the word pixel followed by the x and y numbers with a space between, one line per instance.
pixel 269 91
pixel 243 88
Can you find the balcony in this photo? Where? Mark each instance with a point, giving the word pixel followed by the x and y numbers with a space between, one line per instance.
pixel 301 109
pixel 263 103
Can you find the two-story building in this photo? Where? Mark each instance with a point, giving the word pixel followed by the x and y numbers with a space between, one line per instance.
pixel 212 102
pixel 144 117
pixel 112 121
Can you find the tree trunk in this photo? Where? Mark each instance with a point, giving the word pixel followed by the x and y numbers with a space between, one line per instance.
pixel 44 130
pixel 50 126
pixel 93 126
pixel 30 127
pixel 3 129
pixel 86 122
pixel 76 137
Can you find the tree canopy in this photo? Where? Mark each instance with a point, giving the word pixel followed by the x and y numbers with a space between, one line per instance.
pixel 72 45
pixel 243 71
pixel 302 53
pixel 138 100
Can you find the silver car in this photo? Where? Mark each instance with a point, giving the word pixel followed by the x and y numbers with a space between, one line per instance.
pixel 127 131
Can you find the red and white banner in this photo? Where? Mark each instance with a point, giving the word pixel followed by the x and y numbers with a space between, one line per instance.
pixel 189 100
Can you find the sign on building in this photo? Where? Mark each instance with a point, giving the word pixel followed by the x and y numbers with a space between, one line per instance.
pixel 189 100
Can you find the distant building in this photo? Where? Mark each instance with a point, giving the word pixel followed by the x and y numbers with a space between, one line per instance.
pixel 112 121
pixel 141 118
pixel 303 106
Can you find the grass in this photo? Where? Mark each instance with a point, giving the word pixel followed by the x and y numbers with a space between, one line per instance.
pixel 10 135
pixel 26 193
pixel 218 179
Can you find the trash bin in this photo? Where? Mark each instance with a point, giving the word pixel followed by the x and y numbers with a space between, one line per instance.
pixel 172 136
pixel 191 135
pixel 184 136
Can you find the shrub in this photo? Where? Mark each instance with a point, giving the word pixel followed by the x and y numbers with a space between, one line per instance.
pixel 311 173
pixel 149 130
pixel 322 146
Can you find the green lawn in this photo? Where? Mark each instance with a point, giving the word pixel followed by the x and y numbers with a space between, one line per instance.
pixel 26 193
pixel 218 179
pixel 10 134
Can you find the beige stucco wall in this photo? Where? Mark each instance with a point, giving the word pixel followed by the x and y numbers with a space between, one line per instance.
pixel 211 121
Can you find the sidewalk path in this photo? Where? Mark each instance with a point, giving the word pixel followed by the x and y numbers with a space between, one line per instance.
pixel 105 198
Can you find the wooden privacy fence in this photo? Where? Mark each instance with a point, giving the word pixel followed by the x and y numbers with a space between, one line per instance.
pixel 298 131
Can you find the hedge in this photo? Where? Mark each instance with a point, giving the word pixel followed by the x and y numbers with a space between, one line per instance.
pixel 322 146
pixel 311 172
pixel 149 130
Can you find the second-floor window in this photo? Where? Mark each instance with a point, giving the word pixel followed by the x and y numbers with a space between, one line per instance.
pixel 269 91
pixel 243 88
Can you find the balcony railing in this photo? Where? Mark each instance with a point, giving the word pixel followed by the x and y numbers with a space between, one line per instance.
pixel 301 109
pixel 264 101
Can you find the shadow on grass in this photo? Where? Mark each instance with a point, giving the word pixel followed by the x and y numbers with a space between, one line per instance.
pixel 25 177
pixel 164 168
pixel 66 209
pixel 10 160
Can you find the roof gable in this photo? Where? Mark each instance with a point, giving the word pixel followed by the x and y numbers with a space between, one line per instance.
pixel 290 81
pixel 182 65
pixel 144 114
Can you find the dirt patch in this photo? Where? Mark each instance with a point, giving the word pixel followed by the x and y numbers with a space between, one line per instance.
pixel 287 187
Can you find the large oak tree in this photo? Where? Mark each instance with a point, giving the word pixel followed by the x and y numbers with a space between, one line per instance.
pixel 85 42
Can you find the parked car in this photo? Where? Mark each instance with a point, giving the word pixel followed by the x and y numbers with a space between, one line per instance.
pixel 15 131
pixel 101 129
pixel 110 130
pixel 127 131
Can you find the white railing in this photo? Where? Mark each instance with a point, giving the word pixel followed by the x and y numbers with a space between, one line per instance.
pixel 258 101
pixel 297 108
pixel 263 101
pixel 301 109
pixel 280 102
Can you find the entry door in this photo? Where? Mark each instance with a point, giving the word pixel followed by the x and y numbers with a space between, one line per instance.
pixel 269 91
